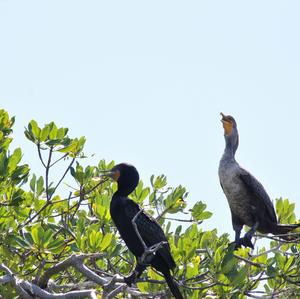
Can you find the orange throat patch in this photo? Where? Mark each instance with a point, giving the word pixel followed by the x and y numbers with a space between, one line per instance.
pixel 228 126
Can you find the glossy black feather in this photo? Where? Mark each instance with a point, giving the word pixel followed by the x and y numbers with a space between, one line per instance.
pixel 123 210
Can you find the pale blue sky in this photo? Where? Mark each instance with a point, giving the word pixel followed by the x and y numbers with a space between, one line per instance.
pixel 145 83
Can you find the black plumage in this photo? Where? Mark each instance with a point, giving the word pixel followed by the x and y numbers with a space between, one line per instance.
pixel 123 210
pixel 248 200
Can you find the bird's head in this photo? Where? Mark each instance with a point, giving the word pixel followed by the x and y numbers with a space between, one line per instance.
pixel 126 176
pixel 230 131
pixel 229 124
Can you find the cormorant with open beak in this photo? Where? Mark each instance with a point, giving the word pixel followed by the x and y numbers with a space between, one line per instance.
pixel 248 200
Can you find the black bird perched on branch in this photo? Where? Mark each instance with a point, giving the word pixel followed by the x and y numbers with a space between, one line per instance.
pixel 248 201
pixel 130 218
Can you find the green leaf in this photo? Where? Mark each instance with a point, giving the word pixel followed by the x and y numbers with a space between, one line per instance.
pixel 70 148
pixel 289 263
pixel 199 213
pixel 61 133
pixel 53 131
pixel 240 276
pixel 40 186
pixel 3 164
pixel 14 159
pixel 56 246
pixel 34 128
pixel 37 233
pixel 228 262
pixel 44 133
pixel 33 182
pixel 106 241
pixel 48 236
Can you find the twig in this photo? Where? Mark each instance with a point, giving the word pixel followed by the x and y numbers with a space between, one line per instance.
pixel 250 262
pixel 36 214
pixel 65 173
pixel 116 291
pixel 133 221
pixel 91 190
pixel 47 174
pixel 183 220
pixel 40 154
pixel 267 251
pixel 64 156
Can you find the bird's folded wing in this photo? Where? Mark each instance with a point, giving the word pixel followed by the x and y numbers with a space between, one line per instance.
pixel 256 188
pixel 150 230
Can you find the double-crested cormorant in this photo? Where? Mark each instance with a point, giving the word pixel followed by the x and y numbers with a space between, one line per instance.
pixel 248 201
pixel 123 210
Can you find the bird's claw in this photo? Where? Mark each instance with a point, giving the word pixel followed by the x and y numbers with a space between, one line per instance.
pixel 246 241
pixel 129 280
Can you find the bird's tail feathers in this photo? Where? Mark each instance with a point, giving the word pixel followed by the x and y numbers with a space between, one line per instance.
pixel 173 286
pixel 288 231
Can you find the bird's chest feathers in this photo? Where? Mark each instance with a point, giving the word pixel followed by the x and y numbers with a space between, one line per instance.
pixel 117 209
pixel 233 187
pixel 229 178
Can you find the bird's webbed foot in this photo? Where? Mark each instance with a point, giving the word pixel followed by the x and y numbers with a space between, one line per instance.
pixel 131 279
pixel 136 273
pixel 237 244
pixel 246 241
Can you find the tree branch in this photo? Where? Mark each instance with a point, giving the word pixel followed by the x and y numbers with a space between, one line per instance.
pixel 72 261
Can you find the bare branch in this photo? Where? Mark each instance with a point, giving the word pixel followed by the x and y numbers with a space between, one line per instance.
pixel 72 261
pixel 250 262
pixel 47 175
pixel 65 173
pixel 133 221
pixel 183 220
pixel 5 279
pixel 40 293
pixel 121 288
pixel 15 282
pixel 148 251
pixel 61 158
pixel 40 154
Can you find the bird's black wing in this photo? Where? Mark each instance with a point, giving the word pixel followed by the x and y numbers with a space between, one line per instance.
pixel 150 231
pixel 256 188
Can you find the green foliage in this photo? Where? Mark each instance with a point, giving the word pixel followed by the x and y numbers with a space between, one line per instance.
pixel 41 227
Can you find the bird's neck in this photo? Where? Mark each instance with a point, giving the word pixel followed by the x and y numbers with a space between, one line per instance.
pixel 122 193
pixel 119 195
pixel 232 143
pixel 116 201
pixel 230 149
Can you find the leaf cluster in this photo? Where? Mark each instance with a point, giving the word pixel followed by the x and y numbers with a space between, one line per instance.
pixel 40 228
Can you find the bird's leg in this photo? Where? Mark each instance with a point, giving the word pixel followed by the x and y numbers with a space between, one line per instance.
pixel 246 240
pixel 237 240
pixel 136 273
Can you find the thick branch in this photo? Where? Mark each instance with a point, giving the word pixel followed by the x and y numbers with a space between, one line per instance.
pixel 15 282
pixel 40 293
pixel 5 279
pixel 72 261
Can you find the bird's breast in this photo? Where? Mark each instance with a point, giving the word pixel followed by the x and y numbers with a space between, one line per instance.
pixel 236 193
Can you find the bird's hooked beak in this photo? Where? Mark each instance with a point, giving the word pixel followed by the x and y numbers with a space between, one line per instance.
pixel 227 124
pixel 113 174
